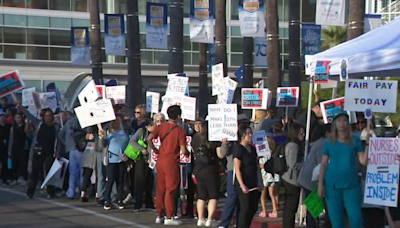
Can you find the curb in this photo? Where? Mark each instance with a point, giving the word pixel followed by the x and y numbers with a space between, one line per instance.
pixel 256 223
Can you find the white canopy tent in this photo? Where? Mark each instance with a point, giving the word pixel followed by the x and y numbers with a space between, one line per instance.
pixel 376 53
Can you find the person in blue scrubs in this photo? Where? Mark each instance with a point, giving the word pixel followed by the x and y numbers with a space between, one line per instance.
pixel 338 181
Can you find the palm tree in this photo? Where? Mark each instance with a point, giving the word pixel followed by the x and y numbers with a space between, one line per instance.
pixel 95 43
pixel 203 80
pixel 134 89
pixel 356 18
pixel 332 36
pixel 220 34
pixel 175 64
pixel 273 48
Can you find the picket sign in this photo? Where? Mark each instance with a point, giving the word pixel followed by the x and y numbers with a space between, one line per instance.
pixel 11 82
pixel 222 122
pixel 117 93
pixel 217 77
pixel 152 102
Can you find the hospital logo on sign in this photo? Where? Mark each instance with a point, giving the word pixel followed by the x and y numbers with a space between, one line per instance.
pixel 80 38
pixel 202 14
pixel 157 22
pixel 251 6
pixel 201 4
pixel 114 26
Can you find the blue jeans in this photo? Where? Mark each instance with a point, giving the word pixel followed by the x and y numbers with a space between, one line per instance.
pixel 231 203
pixel 75 172
pixel 101 180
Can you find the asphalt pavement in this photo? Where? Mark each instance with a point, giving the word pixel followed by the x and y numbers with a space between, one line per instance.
pixel 18 212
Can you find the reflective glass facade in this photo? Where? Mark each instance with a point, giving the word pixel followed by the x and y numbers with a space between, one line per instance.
pixel 31 34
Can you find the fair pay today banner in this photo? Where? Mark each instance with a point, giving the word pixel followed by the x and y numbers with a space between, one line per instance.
pixel 378 95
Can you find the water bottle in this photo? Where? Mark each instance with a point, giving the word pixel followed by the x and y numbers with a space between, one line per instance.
pixel 9 162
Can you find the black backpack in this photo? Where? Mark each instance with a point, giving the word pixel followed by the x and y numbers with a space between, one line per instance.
pixel 277 163
pixel 203 155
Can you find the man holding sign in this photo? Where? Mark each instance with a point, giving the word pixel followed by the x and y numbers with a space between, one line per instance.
pixel 173 140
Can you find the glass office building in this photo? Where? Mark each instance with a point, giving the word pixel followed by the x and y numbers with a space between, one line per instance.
pixel 35 38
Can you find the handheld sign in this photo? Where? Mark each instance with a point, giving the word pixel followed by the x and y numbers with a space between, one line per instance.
pixel 117 93
pixel 261 143
pixel 330 108
pixel 379 95
pixel 322 72
pixel 217 77
pixel 314 204
pixel 382 177
pixel 101 91
pixel 10 83
pixel 287 97
pixel 88 94
pixel 368 114
pixel 254 98
pixel 344 72
pixel 152 102
pixel 95 113
pixel 222 122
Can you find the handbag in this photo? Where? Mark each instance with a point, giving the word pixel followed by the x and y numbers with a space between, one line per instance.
pixel 133 153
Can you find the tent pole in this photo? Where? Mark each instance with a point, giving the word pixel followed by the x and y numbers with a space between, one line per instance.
pixel 334 93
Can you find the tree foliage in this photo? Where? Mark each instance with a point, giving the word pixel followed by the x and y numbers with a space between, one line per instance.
pixel 332 36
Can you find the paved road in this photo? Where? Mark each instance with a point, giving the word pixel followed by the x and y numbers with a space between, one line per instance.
pixel 18 212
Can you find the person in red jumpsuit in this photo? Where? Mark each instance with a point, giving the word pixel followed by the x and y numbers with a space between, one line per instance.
pixel 173 140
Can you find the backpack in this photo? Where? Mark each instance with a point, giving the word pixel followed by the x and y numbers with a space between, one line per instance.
pixel 203 155
pixel 277 163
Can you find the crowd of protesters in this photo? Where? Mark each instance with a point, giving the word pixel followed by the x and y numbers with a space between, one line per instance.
pixel 107 175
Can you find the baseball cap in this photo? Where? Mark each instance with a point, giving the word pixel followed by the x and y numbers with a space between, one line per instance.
pixel 340 113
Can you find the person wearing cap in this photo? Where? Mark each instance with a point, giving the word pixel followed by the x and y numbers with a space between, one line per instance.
pixel 338 181
pixel 316 130
pixel 232 201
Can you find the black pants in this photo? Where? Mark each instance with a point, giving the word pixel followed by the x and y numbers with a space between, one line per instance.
pixel 5 173
pixel 144 180
pixel 129 178
pixel 87 174
pixel 37 168
pixel 20 163
pixel 248 206
pixel 292 193
pixel 115 173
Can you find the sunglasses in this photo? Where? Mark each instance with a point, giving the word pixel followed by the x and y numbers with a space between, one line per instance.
pixel 137 112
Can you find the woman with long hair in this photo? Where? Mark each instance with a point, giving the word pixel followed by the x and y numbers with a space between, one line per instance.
pixel 205 171
pixel 294 160
pixel 144 177
pixel 269 181
pixel 116 141
pixel 17 148
pixel 246 172
pixel 338 181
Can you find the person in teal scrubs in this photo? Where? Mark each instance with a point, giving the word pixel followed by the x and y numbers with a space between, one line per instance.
pixel 338 181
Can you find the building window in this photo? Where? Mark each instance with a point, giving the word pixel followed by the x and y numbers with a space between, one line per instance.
pixel 34 21
pixel 38 36
pixel 17 20
pixel 187 45
pixel 33 83
pixel 237 45
pixel 41 53
pixel 161 57
pixel 187 58
pixel 142 41
pixel 80 5
pixel 61 85
pixel 14 52
pixel 186 8
pixel 14 3
pixel 37 4
pixel 235 9
pixel 60 5
pixel 58 22
pixel 60 54
pixel 195 58
pixel 236 59
pixel 80 23
pixel 60 38
pixel 147 57
pixel 14 35
pixel 235 31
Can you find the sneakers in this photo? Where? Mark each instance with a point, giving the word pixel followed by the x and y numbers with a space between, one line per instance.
pixel 100 203
pixel 13 183
pixel 211 223
pixel 172 222
pixel 107 205
pixel 159 220
pixel 84 199
pixel 120 205
pixel 201 222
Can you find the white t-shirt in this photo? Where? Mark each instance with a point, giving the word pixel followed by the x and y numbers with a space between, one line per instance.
pixel 363 135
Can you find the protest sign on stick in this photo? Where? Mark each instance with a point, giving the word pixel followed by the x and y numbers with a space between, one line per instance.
pixel 287 97
pixel 183 158
pixel 382 177
pixel 261 143
pixel 27 96
pixel 117 93
pixel 254 98
pixel 378 95
pixel 101 91
pixel 95 113
pixel 222 122
pixel 88 94
pixel 176 85
pixel 217 77
pixel 10 83
pixel 152 102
